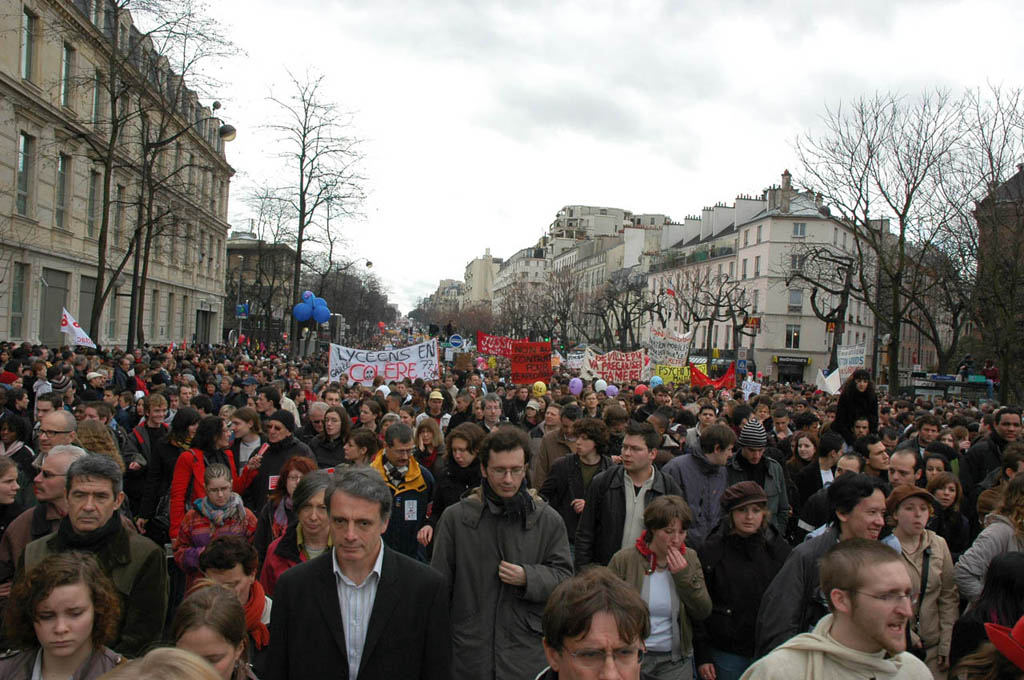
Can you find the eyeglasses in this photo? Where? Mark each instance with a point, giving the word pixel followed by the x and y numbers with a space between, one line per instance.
pixel 318 422
pixel 501 473
pixel 54 433
pixel 891 598
pixel 594 659
pixel 275 427
pixel 50 475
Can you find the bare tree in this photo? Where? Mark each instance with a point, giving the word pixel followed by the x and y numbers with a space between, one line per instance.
pixel 621 307
pixel 560 304
pixel 320 156
pixel 879 162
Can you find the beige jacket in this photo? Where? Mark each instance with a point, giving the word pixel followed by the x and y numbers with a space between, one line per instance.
pixel 694 600
pixel 941 602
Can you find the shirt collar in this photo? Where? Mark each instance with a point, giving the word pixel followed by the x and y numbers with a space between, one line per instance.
pixel 340 575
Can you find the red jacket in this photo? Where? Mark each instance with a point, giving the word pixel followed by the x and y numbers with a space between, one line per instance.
pixel 191 465
pixel 196 532
pixel 282 555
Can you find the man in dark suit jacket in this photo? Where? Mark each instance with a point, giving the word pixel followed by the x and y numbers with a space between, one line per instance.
pixel 396 621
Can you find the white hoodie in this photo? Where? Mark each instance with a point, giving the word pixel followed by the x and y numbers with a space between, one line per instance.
pixel 816 655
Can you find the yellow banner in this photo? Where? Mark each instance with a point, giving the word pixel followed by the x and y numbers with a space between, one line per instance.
pixel 673 374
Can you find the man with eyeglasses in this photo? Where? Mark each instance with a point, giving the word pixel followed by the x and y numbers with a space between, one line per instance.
pixel 44 518
pixel 794 600
pixel 412 487
pixel 871 600
pixel 503 550
pixel 55 429
pixel 594 627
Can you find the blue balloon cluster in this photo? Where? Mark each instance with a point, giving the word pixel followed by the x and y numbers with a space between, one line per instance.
pixel 311 307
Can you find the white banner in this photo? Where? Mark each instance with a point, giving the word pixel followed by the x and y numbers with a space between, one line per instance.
pixel 829 385
pixel 850 358
pixel 669 349
pixel 72 328
pixel 363 365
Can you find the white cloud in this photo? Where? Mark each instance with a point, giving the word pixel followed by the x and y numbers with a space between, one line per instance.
pixel 481 119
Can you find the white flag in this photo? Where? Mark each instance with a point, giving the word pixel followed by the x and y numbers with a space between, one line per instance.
pixel 829 385
pixel 78 335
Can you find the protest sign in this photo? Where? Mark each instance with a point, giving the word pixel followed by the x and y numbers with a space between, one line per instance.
pixel 829 385
pixel 850 357
pixel 531 361
pixel 669 349
pixel 362 365
pixel 464 361
pixel 494 344
pixel 574 360
pixel 615 367
pixel 679 375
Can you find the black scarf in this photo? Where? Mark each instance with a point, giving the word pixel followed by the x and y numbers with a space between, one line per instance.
pixel 92 541
pixel 468 476
pixel 755 473
pixel 516 508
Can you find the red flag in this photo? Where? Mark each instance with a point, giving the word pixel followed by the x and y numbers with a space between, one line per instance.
pixel 669 291
pixel 699 379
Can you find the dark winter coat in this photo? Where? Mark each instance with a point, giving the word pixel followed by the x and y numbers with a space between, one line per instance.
pixel 328 453
pixel 564 484
pixel 255 496
pixel 702 485
pixel 599 532
pixel 737 572
pixel 451 485
pixel 852 406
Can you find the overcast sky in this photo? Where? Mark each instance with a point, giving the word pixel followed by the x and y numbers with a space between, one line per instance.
pixel 482 119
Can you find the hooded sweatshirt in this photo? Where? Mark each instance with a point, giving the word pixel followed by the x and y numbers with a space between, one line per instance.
pixel 816 655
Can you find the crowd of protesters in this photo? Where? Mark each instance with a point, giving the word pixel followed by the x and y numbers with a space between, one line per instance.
pixel 267 522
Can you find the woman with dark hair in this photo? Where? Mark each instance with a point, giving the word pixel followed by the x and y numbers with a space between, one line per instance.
pixel 210 623
pixel 948 521
pixel 14 440
pixel 329 446
pixel 307 537
pixel 219 512
pixel 257 481
pixel 248 441
pixel 361 447
pixel 461 472
pixel 61 614
pixel 209 447
pixel 369 414
pixel 156 498
pixel 739 559
pixel 670 579
pixel 278 512
pixel 1001 601
pixel 857 400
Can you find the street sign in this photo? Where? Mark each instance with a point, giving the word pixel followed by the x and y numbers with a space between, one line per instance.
pixel 741 353
pixel 242 311
pixel 741 366
pixel 455 340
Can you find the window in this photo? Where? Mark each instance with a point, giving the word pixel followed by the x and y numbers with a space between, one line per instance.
pixel 67 60
pixel 792 336
pixel 94 198
pixel 26 151
pixel 799 229
pixel 796 301
pixel 714 337
pixel 97 97
pixel 759 233
pixel 169 317
pixel 746 237
pixel 844 240
pixel 732 269
pixel 119 217
pixel 18 282
pixel 184 308
pixel 835 236
pixel 60 211
pixel 796 262
pixel 29 22
pixel 743 269
pixel 757 296
pixel 757 265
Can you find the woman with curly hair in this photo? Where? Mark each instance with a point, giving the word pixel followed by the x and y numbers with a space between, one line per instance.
pixel 61 615
pixel 95 437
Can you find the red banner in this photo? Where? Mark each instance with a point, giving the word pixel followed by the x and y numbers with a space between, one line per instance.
pixel 497 345
pixel 531 361
pixel 699 379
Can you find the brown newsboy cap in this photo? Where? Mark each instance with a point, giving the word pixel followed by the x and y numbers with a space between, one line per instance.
pixel 902 493
pixel 742 493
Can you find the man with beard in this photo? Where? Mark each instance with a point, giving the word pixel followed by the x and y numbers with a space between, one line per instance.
pixel 870 597
pixel 502 550
pixel 794 600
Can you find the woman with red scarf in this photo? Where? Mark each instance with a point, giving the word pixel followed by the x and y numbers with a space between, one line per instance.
pixel 671 581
